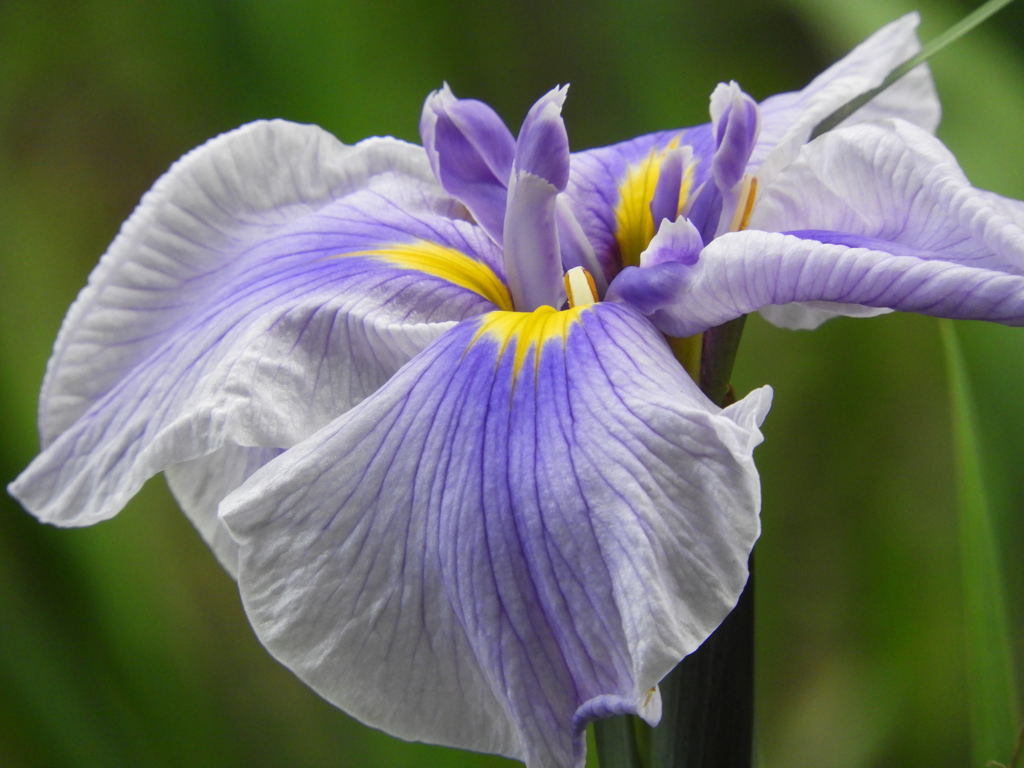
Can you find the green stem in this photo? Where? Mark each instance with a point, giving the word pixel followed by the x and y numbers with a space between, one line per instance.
pixel 616 742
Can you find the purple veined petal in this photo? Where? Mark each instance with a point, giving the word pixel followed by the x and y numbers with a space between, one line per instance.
pixel 471 152
pixel 526 528
pixel 199 485
pixel 787 119
pixel 290 324
pixel 735 121
pixel 676 241
pixel 669 193
pixel 598 175
pixel 533 262
pixel 705 210
pixel 182 241
pixel 611 189
pixel 896 183
pixel 746 271
pixel 542 148
pixel 576 249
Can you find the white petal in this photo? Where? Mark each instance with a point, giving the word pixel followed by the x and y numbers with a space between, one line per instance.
pixel 808 315
pixel 212 205
pixel 788 118
pixel 893 182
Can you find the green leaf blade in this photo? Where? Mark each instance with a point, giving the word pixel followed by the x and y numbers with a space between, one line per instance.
pixel 992 696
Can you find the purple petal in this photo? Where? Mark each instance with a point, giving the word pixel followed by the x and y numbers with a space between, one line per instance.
pixel 736 123
pixel 471 152
pixel 786 122
pixel 542 148
pixel 651 290
pixel 706 210
pixel 676 241
pixel 665 203
pixel 507 539
pixel 576 249
pixel 598 180
pixel 228 325
pixel 787 119
pixel 745 271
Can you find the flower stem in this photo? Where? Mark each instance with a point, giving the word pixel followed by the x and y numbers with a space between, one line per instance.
pixel 616 742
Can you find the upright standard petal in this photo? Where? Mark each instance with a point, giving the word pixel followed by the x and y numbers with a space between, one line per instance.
pixel 471 151
pixel 525 529
pixel 736 123
pixel 532 257
pixel 618 196
pixel 234 331
pixel 611 188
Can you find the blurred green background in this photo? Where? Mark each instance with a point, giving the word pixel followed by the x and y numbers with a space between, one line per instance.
pixel 125 644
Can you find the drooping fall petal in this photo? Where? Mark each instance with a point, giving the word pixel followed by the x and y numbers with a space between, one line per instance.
pixel 270 281
pixel 525 529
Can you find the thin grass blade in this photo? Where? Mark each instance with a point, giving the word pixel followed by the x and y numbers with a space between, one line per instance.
pixel 958 30
pixel 992 694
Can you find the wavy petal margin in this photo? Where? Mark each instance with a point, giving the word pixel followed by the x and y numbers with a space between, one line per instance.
pixel 525 529
pixel 271 280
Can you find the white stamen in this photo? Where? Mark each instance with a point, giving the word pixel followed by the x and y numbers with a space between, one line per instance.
pixel 579 285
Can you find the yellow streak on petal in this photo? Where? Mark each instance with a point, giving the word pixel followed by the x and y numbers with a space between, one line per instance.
pixel 745 205
pixel 686 186
pixel 634 225
pixel 519 332
pixel 447 264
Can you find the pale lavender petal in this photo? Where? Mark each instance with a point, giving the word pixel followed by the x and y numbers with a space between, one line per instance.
pixel 533 262
pixel 496 547
pixel 542 148
pixel 665 203
pixel 787 119
pixel 896 183
pixel 676 241
pixel 181 244
pixel 280 331
pixel 745 271
pixel 596 176
pixel 471 152
pixel 576 249
pixel 808 315
pixel 199 485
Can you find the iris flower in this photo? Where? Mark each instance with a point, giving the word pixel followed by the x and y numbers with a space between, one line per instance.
pixel 422 402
